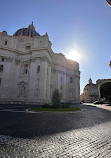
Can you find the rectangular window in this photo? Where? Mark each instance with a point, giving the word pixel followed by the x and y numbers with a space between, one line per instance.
pixel 25 68
pixel 27 47
pixel 1 68
pixel 5 42
pixel 38 69
pixel 2 59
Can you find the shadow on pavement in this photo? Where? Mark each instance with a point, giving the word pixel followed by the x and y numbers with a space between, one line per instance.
pixel 29 125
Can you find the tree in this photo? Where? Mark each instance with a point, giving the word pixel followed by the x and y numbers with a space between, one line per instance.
pixel 105 91
pixel 56 98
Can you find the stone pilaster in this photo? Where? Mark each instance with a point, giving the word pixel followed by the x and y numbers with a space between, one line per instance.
pixel 43 81
pixel 6 74
pixel 32 76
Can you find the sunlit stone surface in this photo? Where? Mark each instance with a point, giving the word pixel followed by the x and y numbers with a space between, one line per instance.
pixel 30 71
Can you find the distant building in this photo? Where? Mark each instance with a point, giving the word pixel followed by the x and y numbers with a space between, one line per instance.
pixel 30 71
pixel 99 81
pixel 91 91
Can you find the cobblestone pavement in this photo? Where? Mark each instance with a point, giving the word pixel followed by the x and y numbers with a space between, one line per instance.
pixel 86 134
pixel 103 106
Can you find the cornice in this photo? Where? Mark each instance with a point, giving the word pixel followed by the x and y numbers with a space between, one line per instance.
pixel 43 48
pixel 66 67
pixel 44 58
pixel 8 59
pixel 10 49
pixel 28 52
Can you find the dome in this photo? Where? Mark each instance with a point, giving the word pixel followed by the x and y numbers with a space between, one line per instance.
pixel 30 31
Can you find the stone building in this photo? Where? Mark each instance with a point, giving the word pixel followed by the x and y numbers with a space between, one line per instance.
pixel 30 71
pixel 91 91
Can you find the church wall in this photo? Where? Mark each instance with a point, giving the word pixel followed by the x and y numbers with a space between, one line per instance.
pixel 5 77
pixel 32 71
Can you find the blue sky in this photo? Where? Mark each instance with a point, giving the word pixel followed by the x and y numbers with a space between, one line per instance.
pixel 81 24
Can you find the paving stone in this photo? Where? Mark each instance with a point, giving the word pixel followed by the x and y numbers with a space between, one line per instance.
pixel 91 139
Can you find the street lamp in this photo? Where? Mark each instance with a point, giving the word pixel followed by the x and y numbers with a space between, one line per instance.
pixel 109 2
pixel 110 64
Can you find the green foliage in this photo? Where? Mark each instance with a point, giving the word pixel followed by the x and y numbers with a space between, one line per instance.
pixel 56 98
pixel 65 105
pixel 105 91
pixel 36 109
pixel 47 106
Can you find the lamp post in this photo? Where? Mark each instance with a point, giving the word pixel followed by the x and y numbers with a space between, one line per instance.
pixel 110 64
pixel 109 2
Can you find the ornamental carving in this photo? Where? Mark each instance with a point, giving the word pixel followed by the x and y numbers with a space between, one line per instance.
pixel 17 61
pixel 22 90
pixel 9 59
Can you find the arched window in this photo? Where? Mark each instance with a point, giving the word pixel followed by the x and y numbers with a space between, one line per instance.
pixel 1 68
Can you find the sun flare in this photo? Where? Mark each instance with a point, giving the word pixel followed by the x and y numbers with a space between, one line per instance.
pixel 73 55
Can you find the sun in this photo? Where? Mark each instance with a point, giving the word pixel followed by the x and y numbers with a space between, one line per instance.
pixel 73 55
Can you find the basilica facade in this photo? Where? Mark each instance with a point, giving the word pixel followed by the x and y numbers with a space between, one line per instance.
pixel 30 71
